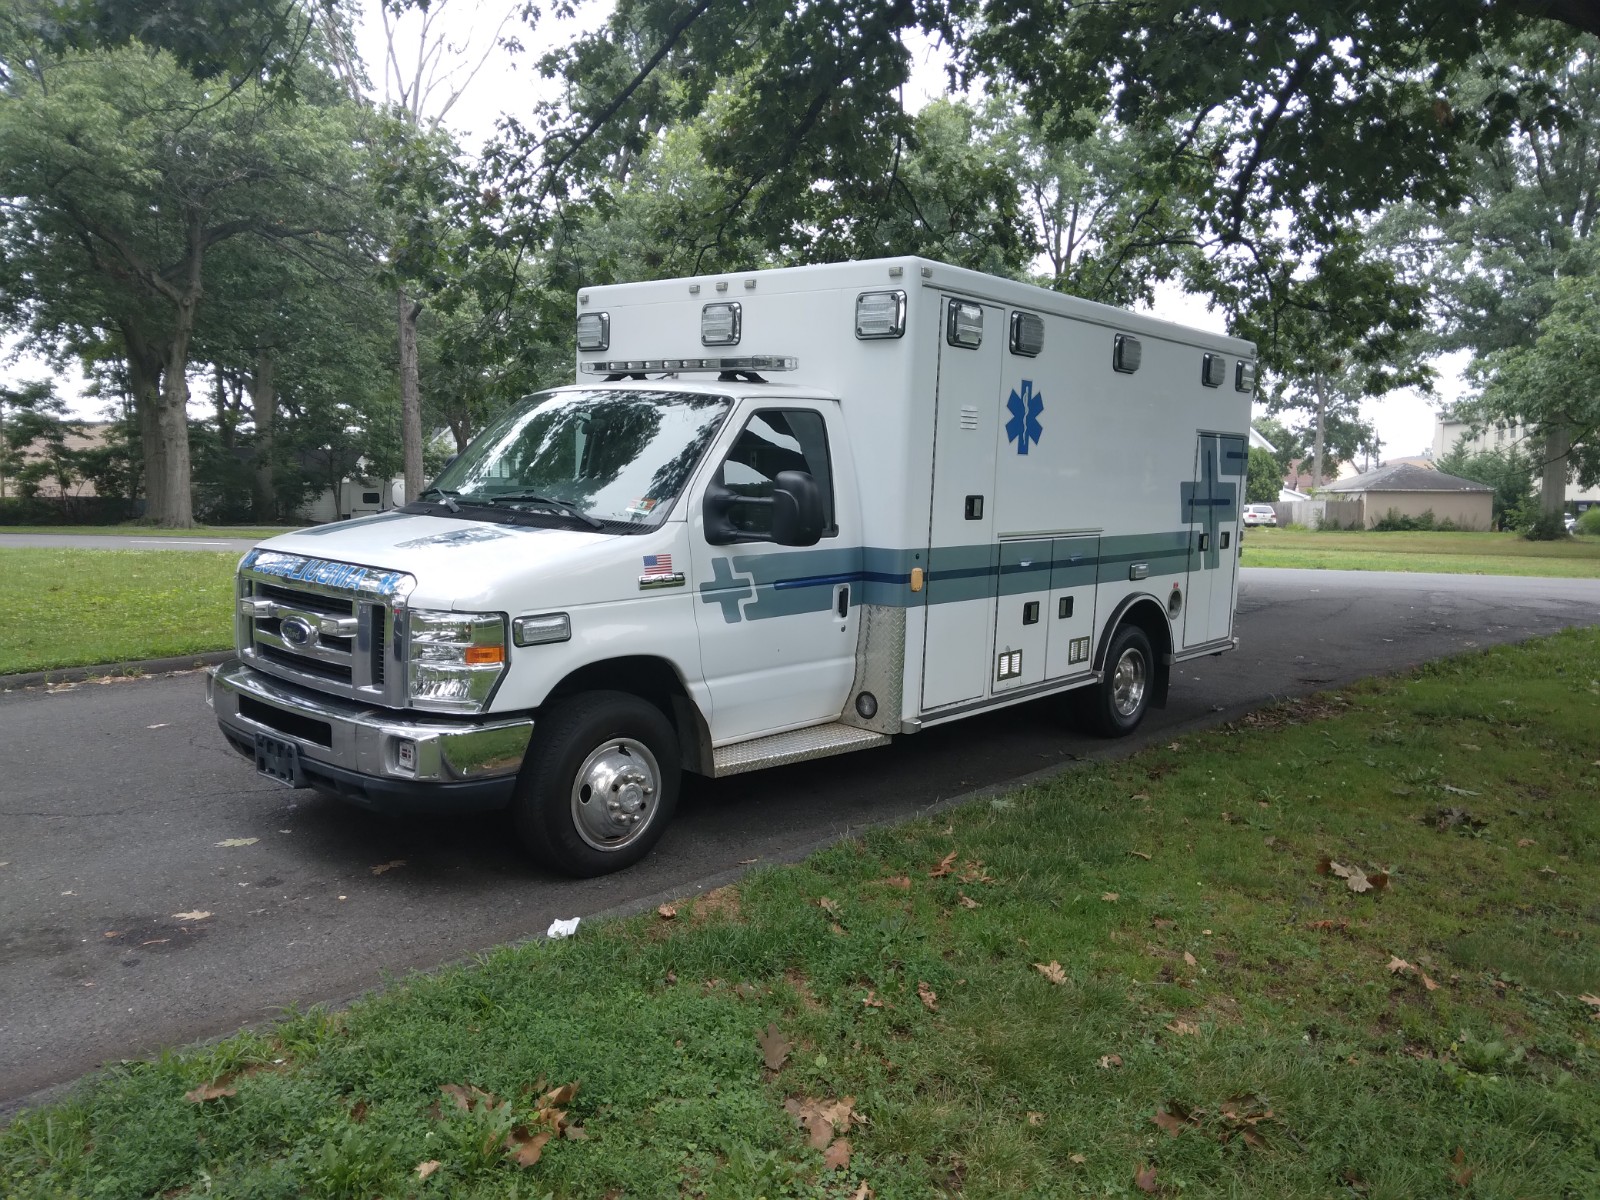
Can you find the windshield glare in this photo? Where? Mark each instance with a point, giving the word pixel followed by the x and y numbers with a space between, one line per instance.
pixel 613 455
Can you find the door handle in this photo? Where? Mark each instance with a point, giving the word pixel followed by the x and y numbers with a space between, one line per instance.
pixel 841 600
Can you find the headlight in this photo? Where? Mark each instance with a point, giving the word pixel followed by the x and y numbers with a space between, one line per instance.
pixel 454 660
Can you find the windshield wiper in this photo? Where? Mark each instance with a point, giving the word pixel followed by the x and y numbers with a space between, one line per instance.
pixel 448 497
pixel 565 506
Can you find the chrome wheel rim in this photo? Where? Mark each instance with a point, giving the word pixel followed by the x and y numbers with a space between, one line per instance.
pixel 1127 683
pixel 616 793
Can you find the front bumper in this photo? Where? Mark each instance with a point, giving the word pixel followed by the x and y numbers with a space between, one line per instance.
pixel 356 750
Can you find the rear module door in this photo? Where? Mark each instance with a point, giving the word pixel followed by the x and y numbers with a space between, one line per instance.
pixel 962 556
pixel 1212 502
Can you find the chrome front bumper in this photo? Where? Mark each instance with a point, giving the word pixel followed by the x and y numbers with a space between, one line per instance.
pixel 374 756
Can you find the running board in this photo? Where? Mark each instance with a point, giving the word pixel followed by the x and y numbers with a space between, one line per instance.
pixel 798 745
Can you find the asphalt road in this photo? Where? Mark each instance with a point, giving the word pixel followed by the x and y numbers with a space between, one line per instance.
pixel 114 799
pixel 112 541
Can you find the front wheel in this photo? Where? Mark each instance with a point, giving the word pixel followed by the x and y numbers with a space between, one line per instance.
pixel 1115 706
pixel 599 784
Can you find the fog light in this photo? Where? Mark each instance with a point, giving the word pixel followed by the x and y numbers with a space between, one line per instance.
pixel 405 756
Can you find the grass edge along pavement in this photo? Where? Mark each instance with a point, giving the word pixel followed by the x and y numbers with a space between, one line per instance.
pixel 1455 553
pixel 1341 947
pixel 259 532
pixel 72 608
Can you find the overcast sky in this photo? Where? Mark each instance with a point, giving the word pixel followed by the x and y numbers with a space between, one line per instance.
pixel 507 83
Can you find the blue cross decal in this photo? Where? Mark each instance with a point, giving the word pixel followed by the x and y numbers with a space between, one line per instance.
pixel 1024 425
pixel 1210 501
pixel 726 589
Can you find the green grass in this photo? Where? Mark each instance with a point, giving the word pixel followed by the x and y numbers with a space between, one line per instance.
pixel 1450 553
pixel 1198 944
pixel 199 531
pixel 67 608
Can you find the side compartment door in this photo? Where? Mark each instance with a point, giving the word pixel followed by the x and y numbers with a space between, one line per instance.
pixel 1074 565
pixel 961 551
pixel 1021 623
pixel 778 624
pixel 1211 504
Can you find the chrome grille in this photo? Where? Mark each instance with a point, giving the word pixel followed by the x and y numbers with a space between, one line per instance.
pixel 325 624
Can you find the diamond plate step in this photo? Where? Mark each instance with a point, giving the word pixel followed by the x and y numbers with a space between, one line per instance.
pixel 798 745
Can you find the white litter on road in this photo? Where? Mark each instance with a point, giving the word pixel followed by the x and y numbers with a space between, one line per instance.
pixel 560 929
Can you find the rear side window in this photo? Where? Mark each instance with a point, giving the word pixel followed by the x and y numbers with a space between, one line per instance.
pixel 773 440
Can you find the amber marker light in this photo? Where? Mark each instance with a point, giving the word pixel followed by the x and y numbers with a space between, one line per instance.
pixel 484 656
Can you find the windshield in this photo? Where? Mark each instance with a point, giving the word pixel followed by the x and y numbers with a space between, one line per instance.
pixel 610 456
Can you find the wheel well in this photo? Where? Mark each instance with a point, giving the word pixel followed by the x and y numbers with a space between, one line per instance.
pixel 652 679
pixel 1145 613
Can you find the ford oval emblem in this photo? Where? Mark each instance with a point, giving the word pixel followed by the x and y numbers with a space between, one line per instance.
pixel 296 631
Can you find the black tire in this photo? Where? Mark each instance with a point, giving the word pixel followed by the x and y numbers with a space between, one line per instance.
pixel 596 738
pixel 1114 707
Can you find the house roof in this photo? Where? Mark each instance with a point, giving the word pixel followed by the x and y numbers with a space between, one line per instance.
pixel 1405 477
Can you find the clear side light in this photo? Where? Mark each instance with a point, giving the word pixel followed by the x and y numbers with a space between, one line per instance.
pixel 537 631
pixel 594 331
pixel 1027 334
pixel 1244 379
pixel 964 326
pixel 880 315
pixel 1126 354
pixel 1213 370
pixel 719 324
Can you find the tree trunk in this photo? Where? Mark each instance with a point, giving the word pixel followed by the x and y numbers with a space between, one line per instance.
pixel 410 393
pixel 1553 485
pixel 171 425
pixel 1322 417
pixel 144 381
pixel 264 402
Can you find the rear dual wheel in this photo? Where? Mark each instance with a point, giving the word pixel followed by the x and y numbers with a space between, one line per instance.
pixel 1115 706
pixel 599 784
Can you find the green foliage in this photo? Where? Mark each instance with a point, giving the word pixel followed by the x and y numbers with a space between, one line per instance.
pixel 1589 522
pixel 1394 521
pixel 33 441
pixel 1543 526
pixel 1509 472
pixel 1264 479
pixel 1464 553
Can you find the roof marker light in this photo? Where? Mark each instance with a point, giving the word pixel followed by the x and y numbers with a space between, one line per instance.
pixel 719 323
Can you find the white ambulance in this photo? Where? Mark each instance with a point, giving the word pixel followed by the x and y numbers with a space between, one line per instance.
pixel 781 515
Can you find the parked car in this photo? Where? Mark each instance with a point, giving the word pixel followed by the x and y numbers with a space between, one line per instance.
pixel 1571 523
pixel 1259 514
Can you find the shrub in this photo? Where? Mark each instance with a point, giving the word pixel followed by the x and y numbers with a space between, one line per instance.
pixel 1589 522
pixel 1544 527
pixel 1394 522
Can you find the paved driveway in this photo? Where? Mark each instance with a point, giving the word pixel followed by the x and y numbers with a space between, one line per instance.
pixel 114 799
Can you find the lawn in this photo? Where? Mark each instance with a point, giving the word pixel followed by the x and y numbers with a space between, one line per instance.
pixel 1149 977
pixel 1450 553
pixel 66 608
pixel 199 531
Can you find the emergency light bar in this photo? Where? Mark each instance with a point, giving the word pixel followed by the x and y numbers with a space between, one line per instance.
pixel 743 362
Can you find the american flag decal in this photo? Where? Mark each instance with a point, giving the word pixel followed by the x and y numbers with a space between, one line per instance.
pixel 657 564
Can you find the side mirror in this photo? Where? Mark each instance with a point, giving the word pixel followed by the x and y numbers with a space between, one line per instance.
pixel 796 505
pixel 797 516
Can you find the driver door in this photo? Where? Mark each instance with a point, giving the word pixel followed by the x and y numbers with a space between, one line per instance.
pixel 778 624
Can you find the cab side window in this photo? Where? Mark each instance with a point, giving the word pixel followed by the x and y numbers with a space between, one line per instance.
pixel 773 440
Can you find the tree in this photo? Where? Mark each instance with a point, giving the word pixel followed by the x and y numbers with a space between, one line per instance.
pixel 120 175
pixel 1264 479
pixel 33 440
pixel 1509 472
pixel 1287 445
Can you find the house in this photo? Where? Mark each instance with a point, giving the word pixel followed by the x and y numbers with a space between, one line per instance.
pixel 1448 433
pixel 1411 491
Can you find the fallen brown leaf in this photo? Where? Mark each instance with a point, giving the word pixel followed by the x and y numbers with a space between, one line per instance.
pixel 358 1111
pixel 1354 878
pixel 823 1120
pixel 1052 971
pixel 1184 1028
pixel 1035 1118
pixel 575 1133
pixel 190 916
pixel 837 1156
pixel 1107 1061
pixel 666 912
pixel 524 1148
pixel 1140 854
pixel 946 865
pixel 424 1169
pixel 1189 959
pixel 463 1096
pixel 1077 1159
pixel 774 1047
pixel 1109 896
pixel 903 882
pixel 1591 1001
pixel 1327 926
pixel 863 1192
pixel 1163 923
pixel 966 901
pixel 1462 1175
pixel 1171 1123
pixel 209 1091
pixel 929 997
pixel 973 872
pixel 872 1000
pixel 1145 1177
pixel 388 866
pixel 1140 796
pixel 1524 843
pixel 831 907
pixel 1396 964
pixel 559 1096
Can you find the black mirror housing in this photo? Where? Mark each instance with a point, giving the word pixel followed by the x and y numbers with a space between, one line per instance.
pixel 797 513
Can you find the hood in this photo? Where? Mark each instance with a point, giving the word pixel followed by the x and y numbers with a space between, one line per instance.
pixel 460 564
